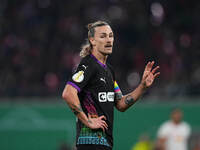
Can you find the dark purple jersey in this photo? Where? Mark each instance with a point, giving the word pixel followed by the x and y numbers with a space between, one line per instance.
pixel 96 85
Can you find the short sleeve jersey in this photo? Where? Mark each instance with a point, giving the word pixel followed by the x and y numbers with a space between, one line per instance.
pixel 176 135
pixel 97 88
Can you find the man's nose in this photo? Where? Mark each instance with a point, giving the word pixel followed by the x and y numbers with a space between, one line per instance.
pixel 108 40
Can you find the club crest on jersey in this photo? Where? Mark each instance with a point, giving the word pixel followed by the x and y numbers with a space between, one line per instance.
pixel 78 77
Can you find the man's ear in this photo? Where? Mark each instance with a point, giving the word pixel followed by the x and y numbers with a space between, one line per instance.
pixel 92 41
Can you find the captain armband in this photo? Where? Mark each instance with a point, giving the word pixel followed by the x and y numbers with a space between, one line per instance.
pixel 118 93
pixel 118 96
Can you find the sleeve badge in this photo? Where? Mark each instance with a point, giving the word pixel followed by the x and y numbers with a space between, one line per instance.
pixel 78 77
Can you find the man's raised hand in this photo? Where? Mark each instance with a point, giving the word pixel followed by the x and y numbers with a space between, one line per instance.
pixel 149 74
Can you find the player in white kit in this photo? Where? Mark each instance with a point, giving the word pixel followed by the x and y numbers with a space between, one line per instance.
pixel 174 134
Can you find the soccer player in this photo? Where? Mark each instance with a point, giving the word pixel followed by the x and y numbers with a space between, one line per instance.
pixel 92 91
pixel 174 134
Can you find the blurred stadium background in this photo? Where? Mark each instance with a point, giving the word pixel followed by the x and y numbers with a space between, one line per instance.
pixel 40 42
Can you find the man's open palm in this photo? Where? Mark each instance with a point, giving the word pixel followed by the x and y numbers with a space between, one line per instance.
pixel 149 74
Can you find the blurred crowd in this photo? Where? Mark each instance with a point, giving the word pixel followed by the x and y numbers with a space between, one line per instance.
pixel 40 42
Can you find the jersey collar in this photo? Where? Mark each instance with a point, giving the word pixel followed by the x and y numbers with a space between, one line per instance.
pixel 103 65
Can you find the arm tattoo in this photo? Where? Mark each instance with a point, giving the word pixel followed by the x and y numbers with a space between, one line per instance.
pixel 76 109
pixel 129 100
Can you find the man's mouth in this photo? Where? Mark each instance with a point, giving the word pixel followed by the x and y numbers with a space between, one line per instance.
pixel 108 46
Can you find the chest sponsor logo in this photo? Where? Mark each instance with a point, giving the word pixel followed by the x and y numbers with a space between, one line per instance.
pixel 106 96
pixel 78 77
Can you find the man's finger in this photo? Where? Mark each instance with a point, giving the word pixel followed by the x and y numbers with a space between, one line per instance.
pixel 102 117
pixel 105 124
pixel 154 70
pixel 157 74
pixel 151 65
pixel 102 128
pixel 147 66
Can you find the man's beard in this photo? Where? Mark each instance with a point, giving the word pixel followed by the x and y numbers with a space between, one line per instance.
pixel 106 52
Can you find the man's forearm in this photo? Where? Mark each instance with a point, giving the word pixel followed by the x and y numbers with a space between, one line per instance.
pixel 128 100
pixel 77 110
pixel 137 93
pixel 71 97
